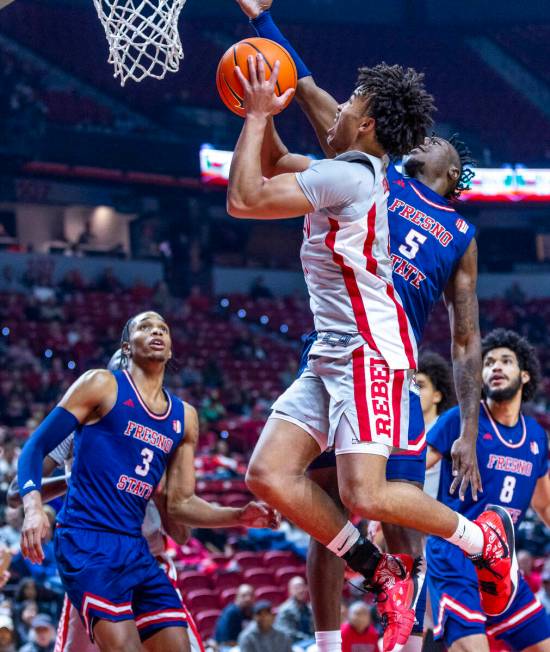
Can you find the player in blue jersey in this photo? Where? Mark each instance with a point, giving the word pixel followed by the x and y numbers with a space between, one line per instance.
pixel 129 431
pixel 512 451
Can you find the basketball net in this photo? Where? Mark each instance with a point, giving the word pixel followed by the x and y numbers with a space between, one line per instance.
pixel 143 37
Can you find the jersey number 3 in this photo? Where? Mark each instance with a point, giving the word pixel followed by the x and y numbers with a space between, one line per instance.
pixel 413 241
pixel 147 454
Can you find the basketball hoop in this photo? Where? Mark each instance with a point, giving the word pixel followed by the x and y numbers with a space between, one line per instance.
pixel 143 37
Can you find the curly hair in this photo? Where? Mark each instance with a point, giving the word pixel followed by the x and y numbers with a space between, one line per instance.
pixel 400 105
pixel 525 353
pixel 467 162
pixel 439 372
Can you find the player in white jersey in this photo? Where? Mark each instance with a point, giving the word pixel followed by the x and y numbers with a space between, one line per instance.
pixel 353 395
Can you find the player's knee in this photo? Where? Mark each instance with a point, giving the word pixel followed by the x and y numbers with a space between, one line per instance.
pixel 261 480
pixel 363 501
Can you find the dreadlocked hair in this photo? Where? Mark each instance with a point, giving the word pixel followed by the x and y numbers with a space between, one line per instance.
pixel 525 353
pixel 437 369
pixel 467 162
pixel 400 105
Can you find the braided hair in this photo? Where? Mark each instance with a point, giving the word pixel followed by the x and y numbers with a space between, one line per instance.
pixel 400 105
pixel 467 162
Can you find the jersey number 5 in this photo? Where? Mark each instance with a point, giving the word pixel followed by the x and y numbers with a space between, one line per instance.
pixel 147 454
pixel 413 240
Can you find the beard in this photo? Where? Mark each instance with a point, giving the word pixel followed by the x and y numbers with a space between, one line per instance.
pixel 505 393
pixel 412 167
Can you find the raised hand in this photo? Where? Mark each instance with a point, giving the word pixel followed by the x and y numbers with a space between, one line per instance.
pixel 253 8
pixel 259 92
pixel 259 515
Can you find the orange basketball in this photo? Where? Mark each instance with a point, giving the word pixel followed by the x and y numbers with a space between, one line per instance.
pixel 230 88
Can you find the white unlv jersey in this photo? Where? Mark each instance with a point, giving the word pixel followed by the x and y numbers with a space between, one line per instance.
pixel 346 258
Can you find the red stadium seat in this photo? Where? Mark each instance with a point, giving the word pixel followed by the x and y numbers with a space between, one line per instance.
pixel 227 580
pixel 285 574
pixel 258 577
pixel 201 600
pixel 206 622
pixel 274 594
pixel 248 560
pixel 234 499
pixel 192 581
pixel 279 558
pixel 227 596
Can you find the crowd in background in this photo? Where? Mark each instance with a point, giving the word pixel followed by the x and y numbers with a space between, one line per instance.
pixel 230 366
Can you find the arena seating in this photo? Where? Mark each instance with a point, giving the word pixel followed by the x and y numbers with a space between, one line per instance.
pixel 471 97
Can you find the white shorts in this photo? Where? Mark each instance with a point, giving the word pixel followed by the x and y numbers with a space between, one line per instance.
pixel 354 403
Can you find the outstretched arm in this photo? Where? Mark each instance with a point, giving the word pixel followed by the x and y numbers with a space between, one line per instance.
pixel 318 105
pixel 184 506
pixel 462 305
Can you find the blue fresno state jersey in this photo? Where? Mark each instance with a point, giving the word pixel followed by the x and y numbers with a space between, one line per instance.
pixel 119 461
pixel 427 240
pixel 511 461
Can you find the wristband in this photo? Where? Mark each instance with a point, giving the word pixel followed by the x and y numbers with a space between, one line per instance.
pixel 265 26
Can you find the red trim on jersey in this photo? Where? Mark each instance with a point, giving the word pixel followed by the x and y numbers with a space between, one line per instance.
pixel 193 628
pixel 360 393
pixel 351 285
pixel 432 203
pixel 372 264
pixel 160 616
pixel 516 619
pixel 450 604
pixel 397 394
pixel 403 327
pixel 63 627
pixel 157 417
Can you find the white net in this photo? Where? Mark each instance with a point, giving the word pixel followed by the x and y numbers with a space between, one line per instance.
pixel 143 37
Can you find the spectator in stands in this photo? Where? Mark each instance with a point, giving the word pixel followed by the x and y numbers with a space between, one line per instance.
pixel 259 290
pixel 295 617
pixel 7 634
pixel 235 616
pixel 260 635
pixel 10 533
pixel 86 237
pixel 43 635
pixel 24 624
pixel 358 633
pixel 544 594
pixel 526 563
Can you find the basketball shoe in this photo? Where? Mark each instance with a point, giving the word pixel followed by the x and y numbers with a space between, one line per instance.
pixel 496 566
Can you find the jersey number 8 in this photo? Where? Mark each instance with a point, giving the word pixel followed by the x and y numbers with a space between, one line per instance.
pixel 147 455
pixel 507 492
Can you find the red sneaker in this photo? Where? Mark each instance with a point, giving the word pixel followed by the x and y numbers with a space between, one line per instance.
pixel 397 582
pixel 497 565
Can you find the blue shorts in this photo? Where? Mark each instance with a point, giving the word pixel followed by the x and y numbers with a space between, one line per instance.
pixel 457 611
pixel 114 577
pixel 408 465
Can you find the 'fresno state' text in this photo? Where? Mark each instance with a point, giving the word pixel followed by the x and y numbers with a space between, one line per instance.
pixel 149 436
pixel 422 220
pixel 135 487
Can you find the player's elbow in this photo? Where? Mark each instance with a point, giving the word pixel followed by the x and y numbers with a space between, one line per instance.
pixel 236 207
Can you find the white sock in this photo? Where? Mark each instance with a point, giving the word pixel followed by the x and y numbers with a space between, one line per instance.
pixel 468 536
pixel 329 641
pixel 344 540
